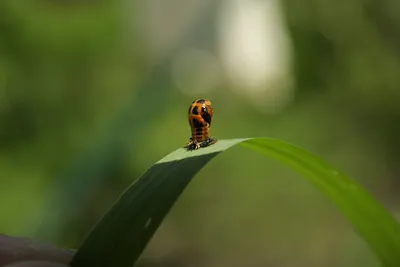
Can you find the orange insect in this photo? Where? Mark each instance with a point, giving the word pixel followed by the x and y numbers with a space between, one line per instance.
pixel 200 115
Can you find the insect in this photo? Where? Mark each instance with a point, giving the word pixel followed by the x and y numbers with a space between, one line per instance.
pixel 200 115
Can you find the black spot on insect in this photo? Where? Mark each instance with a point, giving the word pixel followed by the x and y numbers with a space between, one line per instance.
pixel 196 123
pixel 199 130
pixel 195 111
pixel 206 117
pixel 201 101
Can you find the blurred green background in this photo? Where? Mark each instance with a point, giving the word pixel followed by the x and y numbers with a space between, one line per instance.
pixel 92 93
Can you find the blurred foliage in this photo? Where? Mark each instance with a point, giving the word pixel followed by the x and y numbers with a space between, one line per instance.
pixel 87 102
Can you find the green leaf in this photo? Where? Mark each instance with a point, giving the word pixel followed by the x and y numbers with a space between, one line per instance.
pixel 121 235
